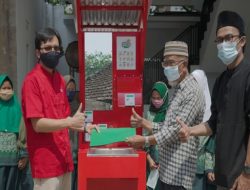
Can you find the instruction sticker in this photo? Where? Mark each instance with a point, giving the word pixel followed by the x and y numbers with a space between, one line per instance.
pixel 89 116
pixel 126 53
pixel 129 99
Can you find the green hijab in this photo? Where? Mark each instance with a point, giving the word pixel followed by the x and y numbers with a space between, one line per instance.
pixel 10 112
pixel 162 89
pixel 210 144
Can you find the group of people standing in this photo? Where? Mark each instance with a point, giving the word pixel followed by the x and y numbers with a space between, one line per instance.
pixel 47 118
pixel 177 138
pixel 159 102
pixel 14 157
pixel 14 165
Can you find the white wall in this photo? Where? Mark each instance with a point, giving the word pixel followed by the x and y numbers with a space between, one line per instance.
pixel 155 39
pixel 197 4
pixel 30 17
pixel 68 34
pixel 161 29
pixel 53 16
pixel 208 53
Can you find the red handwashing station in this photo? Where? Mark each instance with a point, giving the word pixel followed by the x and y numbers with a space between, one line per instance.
pixel 115 166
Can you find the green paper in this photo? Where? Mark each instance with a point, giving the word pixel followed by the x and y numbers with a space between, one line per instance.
pixel 110 135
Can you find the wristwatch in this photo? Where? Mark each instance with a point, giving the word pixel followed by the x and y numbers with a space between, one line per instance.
pixel 147 144
pixel 246 169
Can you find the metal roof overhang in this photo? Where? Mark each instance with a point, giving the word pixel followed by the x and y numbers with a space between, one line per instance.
pixel 112 15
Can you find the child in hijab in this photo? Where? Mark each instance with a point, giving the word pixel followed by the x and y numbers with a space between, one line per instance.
pixel 205 158
pixel 25 180
pixel 10 119
pixel 156 113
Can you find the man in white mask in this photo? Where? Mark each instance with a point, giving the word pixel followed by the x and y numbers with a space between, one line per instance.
pixel 175 62
pixel 177 161
pixel 230 119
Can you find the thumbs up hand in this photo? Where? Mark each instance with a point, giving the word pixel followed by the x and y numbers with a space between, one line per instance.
pixel 184 132
pixel 135 119
pixel 78 120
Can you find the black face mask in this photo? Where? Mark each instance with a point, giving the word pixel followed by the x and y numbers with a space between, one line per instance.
pixel 51 59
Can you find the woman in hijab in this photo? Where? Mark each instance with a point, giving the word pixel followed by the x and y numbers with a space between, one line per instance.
pixel 10 118
pixel 205 160
pixel 156 113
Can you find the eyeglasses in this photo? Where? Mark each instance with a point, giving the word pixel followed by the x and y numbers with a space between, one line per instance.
pixel 226 38
pixel 52 48
pixel 171 63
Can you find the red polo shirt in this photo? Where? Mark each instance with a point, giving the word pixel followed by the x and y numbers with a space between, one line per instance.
pixel 44 96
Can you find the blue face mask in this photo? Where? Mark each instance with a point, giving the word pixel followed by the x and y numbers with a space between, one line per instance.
pixel 71 95
pixel 172 73
pixel 227 52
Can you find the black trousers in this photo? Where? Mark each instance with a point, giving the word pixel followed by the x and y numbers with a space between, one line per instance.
pixel 164 186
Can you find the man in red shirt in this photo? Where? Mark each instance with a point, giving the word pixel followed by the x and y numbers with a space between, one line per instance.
pixel 46 113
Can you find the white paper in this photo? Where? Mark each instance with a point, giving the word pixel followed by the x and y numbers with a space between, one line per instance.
pixel 89 116
pixel 102 125
pixel 87 137
pixel 129 99
pixel 153 178
pixel 126 53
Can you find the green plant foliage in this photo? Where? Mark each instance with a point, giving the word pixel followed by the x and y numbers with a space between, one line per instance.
pixel 55 2
pixel 95 62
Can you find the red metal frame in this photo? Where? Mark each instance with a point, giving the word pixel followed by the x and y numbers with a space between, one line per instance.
pixel 114 172
pixel 110 8
pixel 119 116
pixel 114 27
pixel 114 8
pixel 81 50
